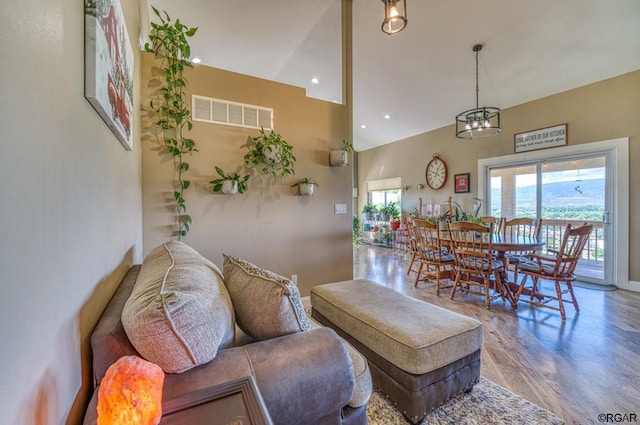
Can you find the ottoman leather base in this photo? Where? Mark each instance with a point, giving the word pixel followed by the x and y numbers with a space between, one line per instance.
pixel 414 394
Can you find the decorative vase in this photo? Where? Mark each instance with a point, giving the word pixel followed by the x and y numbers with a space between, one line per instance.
pixel 306 189
pixel 230 187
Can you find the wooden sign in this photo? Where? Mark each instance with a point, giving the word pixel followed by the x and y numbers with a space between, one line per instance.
pixel 543 138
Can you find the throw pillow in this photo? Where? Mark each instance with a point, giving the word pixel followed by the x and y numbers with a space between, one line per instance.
pixel 267 305
pixel 179 313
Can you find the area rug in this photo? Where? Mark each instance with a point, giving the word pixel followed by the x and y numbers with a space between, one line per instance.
pixel 488 403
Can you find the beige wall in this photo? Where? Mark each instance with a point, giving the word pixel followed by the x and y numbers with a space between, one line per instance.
pixel 268 225
pixel 70 215
pixel 605 110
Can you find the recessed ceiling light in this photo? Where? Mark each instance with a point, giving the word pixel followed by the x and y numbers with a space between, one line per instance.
pixel 363 126
pixel 314 80
pixel 196 60
pixel 387 116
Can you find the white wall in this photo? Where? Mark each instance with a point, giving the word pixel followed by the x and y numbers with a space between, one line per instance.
pixel 70 210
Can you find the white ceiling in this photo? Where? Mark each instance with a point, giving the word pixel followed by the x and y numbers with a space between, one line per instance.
pixel 424 75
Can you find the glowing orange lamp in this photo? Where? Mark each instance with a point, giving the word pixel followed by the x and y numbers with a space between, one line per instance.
pixel 131 393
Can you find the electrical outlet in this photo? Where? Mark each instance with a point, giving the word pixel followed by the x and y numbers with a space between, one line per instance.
pixel 294 278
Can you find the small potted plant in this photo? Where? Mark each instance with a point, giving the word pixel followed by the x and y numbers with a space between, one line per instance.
pixel 340 157
pixel 229 184
pixel 270 154
pixel 383 214
pixel 393 209
pixel 305 186
pixel 368 210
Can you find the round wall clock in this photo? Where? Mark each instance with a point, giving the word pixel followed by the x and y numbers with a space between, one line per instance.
pixel 436 172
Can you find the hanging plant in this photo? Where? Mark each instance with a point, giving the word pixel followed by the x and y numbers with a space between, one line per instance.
pixel 169 42
pixel 270 154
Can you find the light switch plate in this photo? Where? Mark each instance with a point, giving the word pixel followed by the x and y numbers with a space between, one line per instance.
pixel 340 208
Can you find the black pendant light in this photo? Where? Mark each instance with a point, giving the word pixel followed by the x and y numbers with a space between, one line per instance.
pixel 480 121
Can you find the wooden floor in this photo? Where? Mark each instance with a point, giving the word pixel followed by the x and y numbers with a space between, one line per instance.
pixel 578 368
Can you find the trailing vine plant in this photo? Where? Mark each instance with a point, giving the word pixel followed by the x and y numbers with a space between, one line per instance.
pixel 169 41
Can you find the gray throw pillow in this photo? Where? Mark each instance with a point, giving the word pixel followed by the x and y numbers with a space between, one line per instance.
pixel 179 313
pixel 267 305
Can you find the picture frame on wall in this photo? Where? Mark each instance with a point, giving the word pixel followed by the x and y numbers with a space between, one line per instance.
pixel 109 63
pixel 462 183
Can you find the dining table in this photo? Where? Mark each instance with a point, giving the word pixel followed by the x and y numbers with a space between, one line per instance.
pixel 500 245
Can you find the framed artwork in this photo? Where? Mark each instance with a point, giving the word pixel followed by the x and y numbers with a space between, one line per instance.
pixel 109 67
pixel 462 183
pixel 236 402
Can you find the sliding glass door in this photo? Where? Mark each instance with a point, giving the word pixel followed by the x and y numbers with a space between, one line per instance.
pixel 569 190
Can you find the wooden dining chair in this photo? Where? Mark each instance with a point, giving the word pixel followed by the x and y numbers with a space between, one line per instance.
pixel 434 259
pixel 520 226
pixel 559 267
pixel 412 245
pixel 498 223
pixel 401 237
pixel 476 270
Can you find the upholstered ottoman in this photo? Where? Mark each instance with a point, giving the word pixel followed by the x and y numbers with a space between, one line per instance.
pixel 420 355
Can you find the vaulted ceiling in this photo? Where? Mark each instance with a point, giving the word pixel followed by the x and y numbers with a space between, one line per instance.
pixel 423 76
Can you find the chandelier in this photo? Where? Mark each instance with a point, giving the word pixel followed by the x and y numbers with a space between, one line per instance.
pixel 395 16
pixel 480 121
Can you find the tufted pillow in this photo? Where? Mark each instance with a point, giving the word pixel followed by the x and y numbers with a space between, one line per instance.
pixel 267 305
pixel 179 313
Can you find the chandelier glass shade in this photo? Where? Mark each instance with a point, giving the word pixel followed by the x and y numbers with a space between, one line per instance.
pixel 395 16
pixel 481 121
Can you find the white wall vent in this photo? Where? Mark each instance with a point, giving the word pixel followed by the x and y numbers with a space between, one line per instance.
pixel 218 111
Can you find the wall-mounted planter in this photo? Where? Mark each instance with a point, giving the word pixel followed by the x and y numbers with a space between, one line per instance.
pixel 272 155
pixel 229 187
pixel 306 189
pixel 305 186
pixel 338 158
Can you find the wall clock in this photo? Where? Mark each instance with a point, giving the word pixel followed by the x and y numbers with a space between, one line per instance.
pixel 436 172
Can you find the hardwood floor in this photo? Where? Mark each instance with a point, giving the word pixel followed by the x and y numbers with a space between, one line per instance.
pixel 578 368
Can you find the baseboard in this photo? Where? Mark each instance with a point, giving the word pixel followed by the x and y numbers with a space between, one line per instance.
pixel 633 286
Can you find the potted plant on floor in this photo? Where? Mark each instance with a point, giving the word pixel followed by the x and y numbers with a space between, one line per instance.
pixel 229 184
pixel 270 154
pixel 305 186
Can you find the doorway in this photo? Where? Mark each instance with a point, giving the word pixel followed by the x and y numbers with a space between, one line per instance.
pixel 561 191
pixel 573 184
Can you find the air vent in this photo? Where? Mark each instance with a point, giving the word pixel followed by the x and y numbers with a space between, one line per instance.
pixel 218 111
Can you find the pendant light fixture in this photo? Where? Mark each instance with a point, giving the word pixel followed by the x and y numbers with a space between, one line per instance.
pixel 481 121
pixel 395 16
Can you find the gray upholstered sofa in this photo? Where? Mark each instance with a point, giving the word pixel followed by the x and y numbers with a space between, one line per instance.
pixel 306 376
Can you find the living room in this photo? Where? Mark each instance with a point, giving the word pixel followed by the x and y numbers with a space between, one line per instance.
pixel 81 209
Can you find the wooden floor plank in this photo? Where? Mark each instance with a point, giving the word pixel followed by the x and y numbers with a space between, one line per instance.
pixel 578 368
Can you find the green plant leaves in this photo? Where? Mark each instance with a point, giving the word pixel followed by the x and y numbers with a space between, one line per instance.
pixel 168 41
pixel 271 154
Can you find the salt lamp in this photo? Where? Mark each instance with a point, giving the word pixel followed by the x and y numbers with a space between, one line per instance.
pixel 131 393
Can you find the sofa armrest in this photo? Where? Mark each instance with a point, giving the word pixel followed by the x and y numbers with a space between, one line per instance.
pixel 302 377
